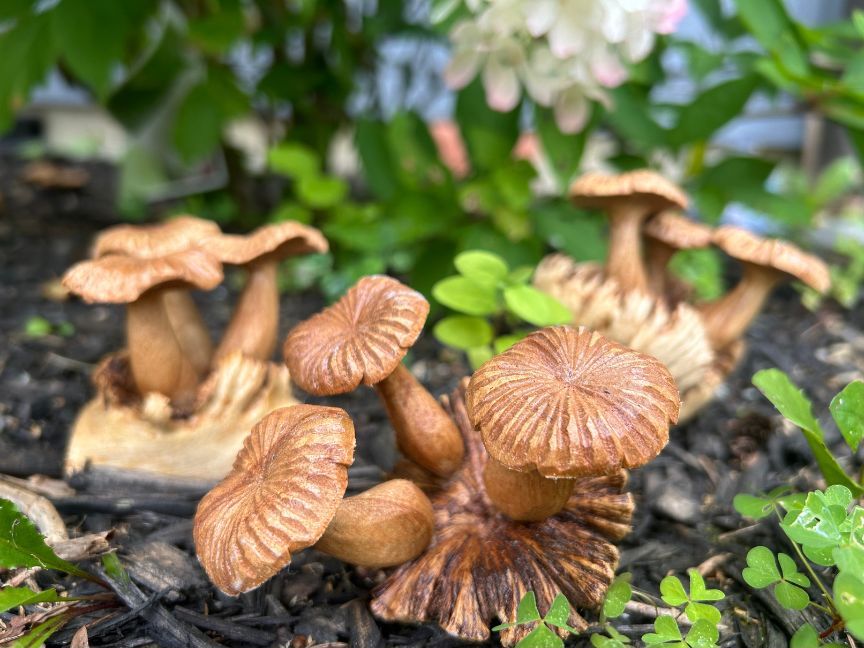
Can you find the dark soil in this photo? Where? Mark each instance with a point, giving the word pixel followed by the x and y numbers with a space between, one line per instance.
pixel 683 518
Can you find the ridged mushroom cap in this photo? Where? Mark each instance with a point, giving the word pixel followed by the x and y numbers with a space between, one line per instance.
pixel 772 253
pixel 600 190
pixel 362 338
pixel 284 489
pixel 678 231
pixel 570 403
pixel 281 240
pixel 150 241
pixel 119 279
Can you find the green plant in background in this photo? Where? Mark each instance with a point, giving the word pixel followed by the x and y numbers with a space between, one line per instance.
pixel 495 303
pixel 542 636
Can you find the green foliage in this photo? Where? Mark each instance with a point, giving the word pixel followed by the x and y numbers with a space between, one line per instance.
pixel 542 636
pixel 38 327
pixel 13 597
pixel 674 594
pixel 495 303
pixel 617 596
pixel 702 634
pixel 788 582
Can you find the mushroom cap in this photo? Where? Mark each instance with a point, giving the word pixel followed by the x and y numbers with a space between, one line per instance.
pixel 150 241
pixel 601 190
pixel 281 239
pixel 119 279
pixel 570 403
pixel 362 338
pixel 772 253
pixel 678 231
pixel 284 489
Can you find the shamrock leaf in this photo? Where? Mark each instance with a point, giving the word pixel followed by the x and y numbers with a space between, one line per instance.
pixel 617 596
pixel 673 593
pixel 818 524
pixel 760 506
pixel 847 408
pixel 703 634
pixel 541 637
pixel 762 572
pixel 666 631
pixel 559 613
pixel 614 640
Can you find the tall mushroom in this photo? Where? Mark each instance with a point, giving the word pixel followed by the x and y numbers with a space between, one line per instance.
pixel 362 338
pixel 285 494
pixel 566 403
pixel 767 262
pixel 156 356
pixel 665 234
pixel 628 200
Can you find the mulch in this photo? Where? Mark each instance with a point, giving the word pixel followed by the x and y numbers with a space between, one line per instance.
pixel 684 517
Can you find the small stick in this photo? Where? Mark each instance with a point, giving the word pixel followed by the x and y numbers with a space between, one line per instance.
pixel 227 629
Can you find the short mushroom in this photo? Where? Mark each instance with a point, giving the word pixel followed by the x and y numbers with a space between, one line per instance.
pixel 566 403
pixel 156 356
pixel 285 493
pixel 628 200
pixel 767 262
pixel 665 234
pixel 255 322
pixel 362 339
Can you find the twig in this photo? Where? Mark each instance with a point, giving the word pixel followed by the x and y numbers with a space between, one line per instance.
pixel 227 629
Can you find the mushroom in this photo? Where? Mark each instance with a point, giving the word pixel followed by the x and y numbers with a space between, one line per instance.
pixel 156 357
pixel 628 199
pixel 766 262
pixel 362 338
pixel 153 241
pixel 255 322
pixel 665 234
pixel 565 403
pixel 284 494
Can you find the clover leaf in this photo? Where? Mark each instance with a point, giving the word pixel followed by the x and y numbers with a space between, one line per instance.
pixel 673 593
pixel 762 572
pixel 818 524
pixel 617 596
pixel 849 598
pixel 666 631
pixel 614 640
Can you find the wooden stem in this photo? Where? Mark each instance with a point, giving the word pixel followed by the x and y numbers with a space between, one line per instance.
pixel 624 262
pixel 424 432
pixel 189 327
pixel 525 496
pixel 386 526
pixel 155 356
pixel 657 258
pixel 255 322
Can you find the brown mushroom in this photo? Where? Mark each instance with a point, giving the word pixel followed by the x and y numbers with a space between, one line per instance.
pixel 157 360
pixel 153 241
pixel 255 322
pixel 566 403
pixel 628 200
pixel 665 234
pixel 362 338
pixel 766 262
pixel 285 494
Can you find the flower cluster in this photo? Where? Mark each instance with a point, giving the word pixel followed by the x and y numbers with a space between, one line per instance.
pixel 564 52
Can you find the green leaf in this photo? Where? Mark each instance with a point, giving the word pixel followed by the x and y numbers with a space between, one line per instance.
pixel 477 356
pixel 482 267
pixel 37 326
pixel 463 295
pixel 39 634
pixel 559 613
pixel 847 408
pixel 791 596
pixel 849 558
pixel 12 597
pixel 858 21
pixel 761 570
pixel 712 109
pixel 197 125
pixel 752 506
pixel 321 192
pixel 805 637
pixel 703 634
pixel 631 119
pixel 114 568
pixel 818 523
pixel 849 598
pixel 702 611
pixel 21 544
pixel 541 637
pixel 294 160
pixel 768 21
pixel 504 342
pixel 562 150
pixel 520 275
pixel 489 135
pixel 665 631
pixel 527 610
pixel 464 332
pixel 379 167
pixel 617 596
pixel 536 307
pixel 789 571
pixel 698 591
pixel 672 591
pixel 291 211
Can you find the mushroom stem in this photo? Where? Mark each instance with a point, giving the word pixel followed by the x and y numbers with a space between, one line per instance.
pixel 386 526
pixel 526 496
pixel 657 258
pixel 726 319
pixel 189 327
pixel 624 262
pixel 255 322
pixel 155 356
pixel 424 432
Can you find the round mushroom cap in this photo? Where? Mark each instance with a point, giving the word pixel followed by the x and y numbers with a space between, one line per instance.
pixel 119 279
pixel 362 338
pixel 600 190
pixel 150 241
pixel 773 253
pixel 284 489
pixel 678 231
pixel 570 403
pixel 281 240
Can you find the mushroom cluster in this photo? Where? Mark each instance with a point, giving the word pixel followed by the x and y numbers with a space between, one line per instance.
pixel 169 402
pixel 514 483
pixel 634 300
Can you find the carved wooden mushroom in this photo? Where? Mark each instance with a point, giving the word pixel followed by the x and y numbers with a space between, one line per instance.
pixel 285 494
pixel 665 234
pixel 362 339
pixel 767 262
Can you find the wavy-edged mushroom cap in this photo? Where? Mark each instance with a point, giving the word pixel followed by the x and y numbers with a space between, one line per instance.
pixel 150 241
pixel 599 189
pixel 772 253
pixel 362 338
pixel 570 403
pixel 280 240
pixel 678 231
pixel 118 279
pixel 286 485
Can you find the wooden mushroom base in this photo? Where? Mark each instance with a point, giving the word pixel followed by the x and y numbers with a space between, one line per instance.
pixel 674 335
pixel 120 429
pixel 481 563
